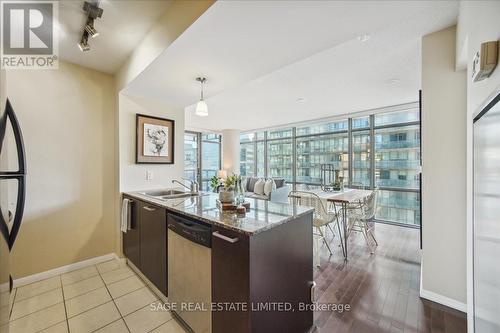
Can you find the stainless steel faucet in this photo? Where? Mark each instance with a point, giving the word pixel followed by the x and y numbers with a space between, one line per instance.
pixel 193 185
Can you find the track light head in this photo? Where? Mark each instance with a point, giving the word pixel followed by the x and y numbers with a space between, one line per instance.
pixel 84 42
pixel 89 28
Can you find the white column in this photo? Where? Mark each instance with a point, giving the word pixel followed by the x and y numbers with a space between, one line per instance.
pixel 231 151
pixel 444 158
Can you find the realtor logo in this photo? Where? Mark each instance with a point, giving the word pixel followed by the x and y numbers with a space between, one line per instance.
pixel 29 37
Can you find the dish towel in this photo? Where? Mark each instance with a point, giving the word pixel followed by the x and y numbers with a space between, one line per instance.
pixel 125 215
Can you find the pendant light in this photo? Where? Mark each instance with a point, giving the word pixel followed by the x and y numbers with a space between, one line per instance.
pixel 201 106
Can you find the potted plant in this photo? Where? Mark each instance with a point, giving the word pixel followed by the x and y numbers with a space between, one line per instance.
pixel 226 193
pixel 215 182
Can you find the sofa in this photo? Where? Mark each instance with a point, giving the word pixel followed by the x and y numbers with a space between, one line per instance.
pixel 278 194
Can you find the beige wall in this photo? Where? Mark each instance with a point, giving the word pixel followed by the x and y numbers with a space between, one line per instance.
pixel 444 171
pixel 178 17
pixel 4 251
pixel 67 119
pixel 132 175
pixel 2 88
pixel 231 151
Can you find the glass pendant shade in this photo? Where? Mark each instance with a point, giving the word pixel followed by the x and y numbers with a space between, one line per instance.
pixel 202 109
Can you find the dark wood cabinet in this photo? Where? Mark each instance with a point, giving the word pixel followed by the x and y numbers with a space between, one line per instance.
pixel 145 245
pixel 272 267
pixel 265 269
pixel 230 280
pixel 131 239
pixel 154 245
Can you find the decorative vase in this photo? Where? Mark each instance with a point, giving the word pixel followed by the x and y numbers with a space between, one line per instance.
pixel 239 193
pixel 226 196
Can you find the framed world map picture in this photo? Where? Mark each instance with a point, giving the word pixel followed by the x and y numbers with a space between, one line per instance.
pixel 155 140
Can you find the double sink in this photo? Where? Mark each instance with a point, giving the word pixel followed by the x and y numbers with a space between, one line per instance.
pixel 168 194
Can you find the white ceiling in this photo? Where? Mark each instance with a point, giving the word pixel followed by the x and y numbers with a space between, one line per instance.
pixel 260 57
pixel 121 28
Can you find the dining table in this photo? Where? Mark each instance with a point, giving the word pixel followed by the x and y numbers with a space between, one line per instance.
pixel 341 200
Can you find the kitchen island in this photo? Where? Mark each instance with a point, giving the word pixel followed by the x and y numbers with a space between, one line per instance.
pixel 252 273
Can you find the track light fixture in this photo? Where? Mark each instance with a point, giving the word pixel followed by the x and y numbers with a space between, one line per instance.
pixel 84 42
pixel 93 12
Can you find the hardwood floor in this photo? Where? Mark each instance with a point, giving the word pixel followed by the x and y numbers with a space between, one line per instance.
pixel 382 289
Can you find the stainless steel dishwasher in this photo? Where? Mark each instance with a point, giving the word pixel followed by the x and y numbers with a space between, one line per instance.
pixel 190 272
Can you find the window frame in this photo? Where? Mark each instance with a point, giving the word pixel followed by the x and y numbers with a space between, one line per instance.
pixel 200 142
pixel 351 132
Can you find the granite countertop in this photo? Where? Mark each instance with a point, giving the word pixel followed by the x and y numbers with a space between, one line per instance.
pixel 263 215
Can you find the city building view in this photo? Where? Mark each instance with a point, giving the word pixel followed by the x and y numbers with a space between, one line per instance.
pixel 202 157
pixel 297 153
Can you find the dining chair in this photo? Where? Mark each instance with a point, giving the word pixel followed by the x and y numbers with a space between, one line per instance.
pixel 360 218
pixel 322 218
pixel 353 205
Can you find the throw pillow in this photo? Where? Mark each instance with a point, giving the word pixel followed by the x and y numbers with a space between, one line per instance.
pixel 259 187
pixel 244 183
pixel 280 182
pixel 269 186
pixel 251 183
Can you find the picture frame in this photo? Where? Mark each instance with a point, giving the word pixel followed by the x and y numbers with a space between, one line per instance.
pixel 155 140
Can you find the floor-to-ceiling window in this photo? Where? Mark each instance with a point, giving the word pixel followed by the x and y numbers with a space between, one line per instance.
pixel 319 144
pixel 252 154
pixel 247 156
pixel 261 158
pixel 381 151
pixel 397 166
pixel 361 151
pixel 280 154
pixel 210 158
pixel 202 157
pixel 191 156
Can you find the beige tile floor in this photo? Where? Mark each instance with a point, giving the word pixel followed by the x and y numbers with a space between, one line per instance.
pixel 105 298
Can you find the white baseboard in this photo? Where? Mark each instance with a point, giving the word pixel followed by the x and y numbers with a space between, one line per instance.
pixel 437 298
pixel 449 302
pixel 63 269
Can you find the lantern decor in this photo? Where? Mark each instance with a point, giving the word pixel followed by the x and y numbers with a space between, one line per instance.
pixel 330 178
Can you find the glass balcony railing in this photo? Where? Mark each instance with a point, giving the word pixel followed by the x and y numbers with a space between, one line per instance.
pixel 399 203
pixel 410 184
pixel 361 164
pixel 397 144
pixel 206 174
pixel 400 207
pixel 279 153
pixel 316 165
pixel 190 174
pixel 397 164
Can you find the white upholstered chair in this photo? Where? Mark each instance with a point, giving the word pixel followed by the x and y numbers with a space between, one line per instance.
pixel 322 219
pixel 360 218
